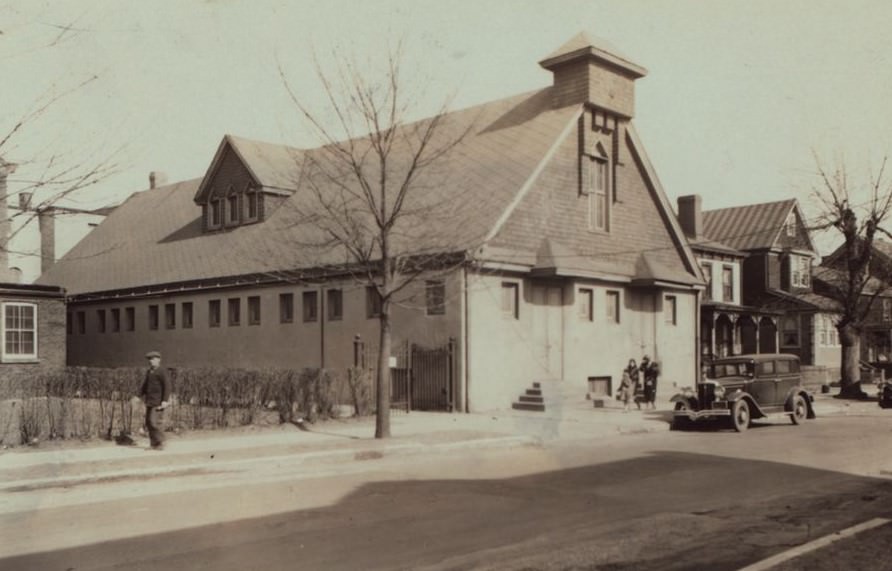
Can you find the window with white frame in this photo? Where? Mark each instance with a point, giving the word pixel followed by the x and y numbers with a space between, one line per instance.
pixel 887 309
pixel 19 331
pixel 823 330
pixel 728 283
pixel 800 271
pixel 707 273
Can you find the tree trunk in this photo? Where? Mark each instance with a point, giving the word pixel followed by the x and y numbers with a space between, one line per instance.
pixel 382 414
pixel 850 370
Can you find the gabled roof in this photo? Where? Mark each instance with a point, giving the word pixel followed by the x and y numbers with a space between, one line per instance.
pixel 155 236
pixel 271 166
pixel 750 227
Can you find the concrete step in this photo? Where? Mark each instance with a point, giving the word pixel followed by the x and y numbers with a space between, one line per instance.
pixel 536 407
pixel 528 398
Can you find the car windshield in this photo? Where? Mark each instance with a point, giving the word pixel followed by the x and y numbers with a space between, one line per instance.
pixel 740 369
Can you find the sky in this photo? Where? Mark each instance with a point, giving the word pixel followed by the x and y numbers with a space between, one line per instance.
pixel 740 98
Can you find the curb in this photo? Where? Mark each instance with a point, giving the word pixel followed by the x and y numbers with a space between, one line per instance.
pixel 310 458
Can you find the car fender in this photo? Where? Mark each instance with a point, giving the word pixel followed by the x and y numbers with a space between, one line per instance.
pixel 809 401
pixel 755 410
pixel 689 400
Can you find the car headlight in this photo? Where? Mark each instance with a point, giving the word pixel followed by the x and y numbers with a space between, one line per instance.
pixel 719 391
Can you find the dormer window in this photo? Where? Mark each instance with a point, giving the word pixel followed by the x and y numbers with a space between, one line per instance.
pixel 216 213
pixel 232 208
pixel 251 205
pixel 800 271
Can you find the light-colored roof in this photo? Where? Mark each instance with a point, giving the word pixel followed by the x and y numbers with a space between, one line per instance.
pixel 750 227
pixel 584 44
pixel 155 236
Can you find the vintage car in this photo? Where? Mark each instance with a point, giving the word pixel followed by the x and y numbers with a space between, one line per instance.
pixel 884 394
pixel 745 387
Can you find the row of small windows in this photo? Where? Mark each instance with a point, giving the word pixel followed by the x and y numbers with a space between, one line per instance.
pixel 234 209
pixel 510 300
pixel 114 320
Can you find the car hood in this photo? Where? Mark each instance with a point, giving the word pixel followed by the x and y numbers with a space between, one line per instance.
pixel 730 382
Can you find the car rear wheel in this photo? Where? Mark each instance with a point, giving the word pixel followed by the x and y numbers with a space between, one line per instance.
pixel 740 415
pixel 681 422
pixel 800 410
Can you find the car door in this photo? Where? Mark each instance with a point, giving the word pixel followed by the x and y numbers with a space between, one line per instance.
pixel 764 385
pixel 787 377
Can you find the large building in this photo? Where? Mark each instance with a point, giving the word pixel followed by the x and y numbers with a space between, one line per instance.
pixel 561 256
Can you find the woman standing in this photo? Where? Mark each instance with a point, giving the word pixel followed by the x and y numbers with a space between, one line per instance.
pixel 632 371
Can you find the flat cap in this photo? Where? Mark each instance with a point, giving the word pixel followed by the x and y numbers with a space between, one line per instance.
pixel 151 354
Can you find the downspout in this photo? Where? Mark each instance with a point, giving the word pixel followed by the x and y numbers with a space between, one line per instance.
pixel 466 345
pixel 321 328
pixel 697 333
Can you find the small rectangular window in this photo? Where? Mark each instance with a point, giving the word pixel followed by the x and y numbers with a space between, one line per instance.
pixel 254 310
pixel 81 322
pixel 613 307
pixel 783 367
pixel 187 314
pixel 372 302
pixel 670 309
pixel 214 313
pixel 435 297
pixel 286 307
pixel 765 368
pixel 335 302
pixel 153 317
pixel 727 283
pixel 586 305
pixel 115 320
pixel 235 311
pixel 310 301
pixel 707 274
pixel 130 318
pixel 509 300
pixel 100 320
pixel 790 331
pixel 170 316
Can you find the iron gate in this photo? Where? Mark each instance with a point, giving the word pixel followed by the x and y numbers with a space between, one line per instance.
pixel 422 378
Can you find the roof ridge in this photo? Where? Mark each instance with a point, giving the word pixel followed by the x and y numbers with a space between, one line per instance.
pixel 791 200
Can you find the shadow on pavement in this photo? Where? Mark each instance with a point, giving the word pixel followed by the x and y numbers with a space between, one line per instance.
pixel 663 511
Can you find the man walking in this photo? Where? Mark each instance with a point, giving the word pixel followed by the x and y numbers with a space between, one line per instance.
pixel 155 392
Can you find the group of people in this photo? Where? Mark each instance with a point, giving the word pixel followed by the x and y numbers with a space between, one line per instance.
pixel 639 383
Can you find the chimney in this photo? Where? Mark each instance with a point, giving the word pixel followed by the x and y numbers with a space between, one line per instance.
pixel 6 169
pixel 25 201
pixel 594 72
pixel 156 179
pixel 689 215
pixel 46 221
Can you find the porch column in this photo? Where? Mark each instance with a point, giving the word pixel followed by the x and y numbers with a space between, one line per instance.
pixel 776 335
pixel 734 336
pixel 758 324
pixel 715 318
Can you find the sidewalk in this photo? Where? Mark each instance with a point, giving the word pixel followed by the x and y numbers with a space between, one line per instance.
pixel 287 450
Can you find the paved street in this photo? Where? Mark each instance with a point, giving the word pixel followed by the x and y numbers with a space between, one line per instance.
pixel 661 500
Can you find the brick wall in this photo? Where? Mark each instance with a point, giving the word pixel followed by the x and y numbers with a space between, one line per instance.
pixel 51 350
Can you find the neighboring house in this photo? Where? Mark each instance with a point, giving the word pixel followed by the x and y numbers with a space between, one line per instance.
pixel 571 260
pixel 876 337
pixel 727 326
pixel 776 280
pixel 32 328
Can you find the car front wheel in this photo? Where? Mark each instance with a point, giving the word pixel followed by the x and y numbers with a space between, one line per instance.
pixel 740 415
pixel 800 410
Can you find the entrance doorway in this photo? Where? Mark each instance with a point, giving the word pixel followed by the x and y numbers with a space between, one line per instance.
pixel 548 330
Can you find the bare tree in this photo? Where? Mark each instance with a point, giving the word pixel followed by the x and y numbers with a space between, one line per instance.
pixel 370 199
pixel 859 281
pixel 39 172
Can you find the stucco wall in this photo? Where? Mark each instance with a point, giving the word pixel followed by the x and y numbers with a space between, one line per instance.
pixel 503 353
